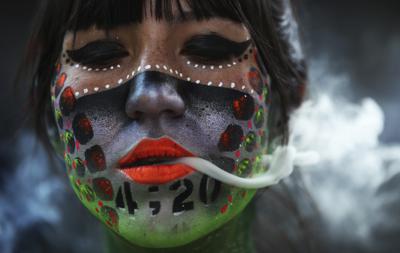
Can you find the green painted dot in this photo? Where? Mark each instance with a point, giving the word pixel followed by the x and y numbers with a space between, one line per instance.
pixel 265 93
pixel 259 118
pixel 244 167
pixel 68 135
pixel 87 192
pixel 79 166
pixel 257 164
pixel 250 142
pixel 110 217
pixel 68 160
pixel 58 113
pixel 74 184
pixel 59 118
pixel 69 140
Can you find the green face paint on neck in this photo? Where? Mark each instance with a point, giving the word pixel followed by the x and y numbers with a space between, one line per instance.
pixel 234 236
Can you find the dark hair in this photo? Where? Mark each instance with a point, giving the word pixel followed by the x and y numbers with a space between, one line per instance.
pixel 271 23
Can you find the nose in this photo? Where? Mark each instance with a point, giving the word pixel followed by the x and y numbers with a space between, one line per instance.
pixel 153 95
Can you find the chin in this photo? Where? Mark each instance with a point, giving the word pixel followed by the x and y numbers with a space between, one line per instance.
pixel 168 215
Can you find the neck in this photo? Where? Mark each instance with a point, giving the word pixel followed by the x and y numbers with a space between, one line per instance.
pixel 234 236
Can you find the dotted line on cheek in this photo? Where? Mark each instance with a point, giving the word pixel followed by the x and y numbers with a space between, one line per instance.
pixel 166 69
pixel 68 61
pixel 88 69
pixel 189 63
pixel 212 67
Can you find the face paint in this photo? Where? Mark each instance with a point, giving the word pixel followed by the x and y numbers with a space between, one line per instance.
pixel 223 76
pixel 119 164
pixel 82 128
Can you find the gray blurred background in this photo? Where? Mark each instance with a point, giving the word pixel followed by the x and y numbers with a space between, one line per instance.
pixel 356 39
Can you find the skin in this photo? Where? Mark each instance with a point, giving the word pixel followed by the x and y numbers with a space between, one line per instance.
pixel 98 127
pixel 235 236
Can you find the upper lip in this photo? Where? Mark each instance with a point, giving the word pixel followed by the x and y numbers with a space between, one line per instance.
pixel 153 151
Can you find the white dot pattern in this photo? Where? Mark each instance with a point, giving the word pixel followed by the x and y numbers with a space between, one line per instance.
pixel 86 68
pixel 167 69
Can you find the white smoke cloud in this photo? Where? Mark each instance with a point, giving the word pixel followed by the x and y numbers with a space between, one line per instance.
pixel 354 185
pixel 38 210
pixel 29 195
pixel 354 163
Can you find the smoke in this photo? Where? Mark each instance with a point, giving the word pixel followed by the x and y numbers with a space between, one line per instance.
pixel 355 185
pixel 29 195
pixel 38 211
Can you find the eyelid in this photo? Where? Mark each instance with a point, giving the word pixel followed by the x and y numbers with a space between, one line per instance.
pixel 99 42
pixel 107 48
pixel 200 43
pixel 216 36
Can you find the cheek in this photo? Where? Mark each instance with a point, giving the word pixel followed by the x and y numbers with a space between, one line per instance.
pixel 83 159
pixel 231 138
pixel 76 132
pixel 82 128
pixel 92 123
pixel 59 84
pixel 67 101
pixel 243 107
pixel 255 80
pixel 250 142
pixel 244 141
pixel 239 121
pixel 95 159
pixel 103 189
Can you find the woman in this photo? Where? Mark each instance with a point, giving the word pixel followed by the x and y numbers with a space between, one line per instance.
pixel 127 88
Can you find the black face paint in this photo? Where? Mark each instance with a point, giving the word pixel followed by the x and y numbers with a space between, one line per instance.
pixel 213 47
pixel 103 189
pixel 208 192
pixel 216 123
pixel 67 101
pixel 95 159
pixel 82 128
pixel 99 53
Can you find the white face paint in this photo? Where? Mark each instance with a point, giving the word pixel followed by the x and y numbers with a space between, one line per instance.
pixel 121 122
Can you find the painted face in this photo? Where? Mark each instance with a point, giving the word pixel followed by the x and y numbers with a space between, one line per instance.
pixel 129 100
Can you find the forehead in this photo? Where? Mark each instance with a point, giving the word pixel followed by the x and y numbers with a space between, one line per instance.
pixel 158 32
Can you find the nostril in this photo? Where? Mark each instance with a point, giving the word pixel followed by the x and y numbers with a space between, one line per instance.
pixel 154 97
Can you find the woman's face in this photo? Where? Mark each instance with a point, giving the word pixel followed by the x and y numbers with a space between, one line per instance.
pixel 130 99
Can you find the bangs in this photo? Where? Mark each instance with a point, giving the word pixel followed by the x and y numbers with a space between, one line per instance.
pixel 106 14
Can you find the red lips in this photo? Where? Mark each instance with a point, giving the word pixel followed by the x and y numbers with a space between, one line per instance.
pixel 142 163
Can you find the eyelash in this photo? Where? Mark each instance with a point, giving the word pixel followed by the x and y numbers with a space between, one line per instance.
pixel 99 54
pixel 203 49
pixel 213 49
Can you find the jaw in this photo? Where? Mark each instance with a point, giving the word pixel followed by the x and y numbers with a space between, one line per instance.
pixel 169 215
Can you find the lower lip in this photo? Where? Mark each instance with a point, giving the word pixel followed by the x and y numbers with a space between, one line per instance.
pixel 157 174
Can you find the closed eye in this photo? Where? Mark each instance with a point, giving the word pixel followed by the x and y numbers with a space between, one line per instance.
pixel 212 48
pixel 99 53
